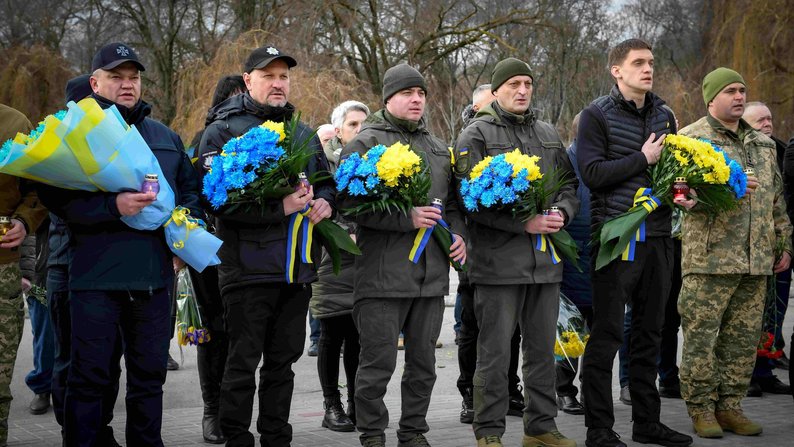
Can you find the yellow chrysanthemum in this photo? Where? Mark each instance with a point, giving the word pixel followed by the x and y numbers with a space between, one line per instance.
pixel 521 161
pixel 682 159
pixel 275 127
pixel 476 172
pixel 397 161
pixel 568 344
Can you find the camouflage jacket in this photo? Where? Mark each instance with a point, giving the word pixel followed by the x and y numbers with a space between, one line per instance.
pixel 744 240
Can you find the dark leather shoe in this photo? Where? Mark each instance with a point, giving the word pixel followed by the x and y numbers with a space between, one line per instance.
pixel 773 385
pixel 672 391
pixel 569 404
pixel 467 407
pixel 603 437
pixel 335 418
pixel 754 390
pixel 351 411
pixel 211 429
pixel 171 365
pixel 40 403
pixel 313 349
pixel 516 406
pixel 658 433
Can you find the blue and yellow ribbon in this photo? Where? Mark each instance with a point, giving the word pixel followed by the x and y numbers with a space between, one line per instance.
pixel 422 236
pixel 543 243
pixel 180 216
pixel 299 223
pixel 642 198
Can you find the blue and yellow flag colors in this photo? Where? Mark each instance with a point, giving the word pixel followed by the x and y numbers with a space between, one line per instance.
pixel 642 198
pixel 299 224
pixel 543 243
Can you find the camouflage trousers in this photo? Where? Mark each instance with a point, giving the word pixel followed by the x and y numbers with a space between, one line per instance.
pixel 721 321
pixel 12 319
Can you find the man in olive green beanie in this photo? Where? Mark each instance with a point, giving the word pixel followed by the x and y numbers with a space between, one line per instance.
pixel 726 261
pixel 506 69
pixel 715 81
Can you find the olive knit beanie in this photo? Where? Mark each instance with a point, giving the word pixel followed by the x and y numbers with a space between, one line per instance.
pixel 506 69
pixel 715 81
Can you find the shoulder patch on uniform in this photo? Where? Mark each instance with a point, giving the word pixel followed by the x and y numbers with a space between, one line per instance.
pixel 461 161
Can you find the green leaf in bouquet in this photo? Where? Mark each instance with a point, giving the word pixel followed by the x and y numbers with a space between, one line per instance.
pixel 335 238
pixel 566 247
pixel 614 235
pixel 444 238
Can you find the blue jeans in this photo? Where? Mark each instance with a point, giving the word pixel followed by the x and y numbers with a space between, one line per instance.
pixel 96 318
pixel 314 325
pixel 39 380
pixel 458 310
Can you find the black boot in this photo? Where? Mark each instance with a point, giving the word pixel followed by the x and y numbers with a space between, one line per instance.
pixel 335 418
pixel 211 360
pixel 467 406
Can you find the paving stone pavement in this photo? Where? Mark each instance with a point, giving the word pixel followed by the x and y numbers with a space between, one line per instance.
pixel 183 408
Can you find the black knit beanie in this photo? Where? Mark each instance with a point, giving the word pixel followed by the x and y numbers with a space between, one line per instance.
pixel 401 77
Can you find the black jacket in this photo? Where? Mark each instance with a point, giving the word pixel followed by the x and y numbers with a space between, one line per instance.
pixel 254 240
pixel 609 147
pixel 106 253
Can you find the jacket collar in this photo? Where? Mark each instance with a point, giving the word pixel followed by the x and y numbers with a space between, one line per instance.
pixel 651 100
pixel 133 115
pixel 502 116
pixel 245 104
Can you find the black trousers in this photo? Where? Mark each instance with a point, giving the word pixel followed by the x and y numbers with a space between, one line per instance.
pixel 262 320
pixel 467 344
pixel 335 331
pixel 668 350
pixel 645 283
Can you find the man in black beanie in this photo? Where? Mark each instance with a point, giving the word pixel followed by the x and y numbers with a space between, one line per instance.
pixel 391 292
pixel 515 283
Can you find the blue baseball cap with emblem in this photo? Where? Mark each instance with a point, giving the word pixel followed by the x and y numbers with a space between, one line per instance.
pixel 114 54
pixel 260 57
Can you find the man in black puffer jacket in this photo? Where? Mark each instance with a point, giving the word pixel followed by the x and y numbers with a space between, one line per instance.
pixel 619 136
pixel 119 276
pixel 264 315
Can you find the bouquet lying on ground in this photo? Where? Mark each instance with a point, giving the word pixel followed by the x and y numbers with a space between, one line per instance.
pixel 393 179
pixel 90 149
pixel 189 327
pixel 718 180
pixel 572 332
pixel 263 165
pixel 513 181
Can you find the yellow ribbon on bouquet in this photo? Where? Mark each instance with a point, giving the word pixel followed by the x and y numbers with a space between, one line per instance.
pixel 180 216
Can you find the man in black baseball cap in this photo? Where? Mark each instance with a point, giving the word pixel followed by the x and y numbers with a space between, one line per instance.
pixel 265 314
pixel 114 54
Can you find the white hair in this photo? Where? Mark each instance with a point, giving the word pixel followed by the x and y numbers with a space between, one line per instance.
pixel 340 112
pixel 326 128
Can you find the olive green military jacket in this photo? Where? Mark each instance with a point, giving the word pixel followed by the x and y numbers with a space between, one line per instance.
pixel 742 241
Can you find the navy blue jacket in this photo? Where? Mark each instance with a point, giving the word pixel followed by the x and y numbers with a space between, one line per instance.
pixel 576 285
pixel 106 253
pixel 254 240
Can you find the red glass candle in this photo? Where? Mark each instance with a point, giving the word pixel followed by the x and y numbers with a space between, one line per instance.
pixel 680 188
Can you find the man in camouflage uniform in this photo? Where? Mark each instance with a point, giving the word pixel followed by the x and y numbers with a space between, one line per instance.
pixel 22 205
pixel 726 261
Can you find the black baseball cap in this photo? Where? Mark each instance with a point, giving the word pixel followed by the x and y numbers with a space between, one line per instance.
pixel 114 54
pixel 260 57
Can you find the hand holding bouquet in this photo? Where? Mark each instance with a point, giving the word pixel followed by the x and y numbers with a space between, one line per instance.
pixel 718 180
pixel 265 164
pixel 392 179
pixel 513 181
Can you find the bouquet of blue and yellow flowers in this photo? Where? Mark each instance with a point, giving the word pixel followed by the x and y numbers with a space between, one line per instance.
pixel 88 148
pixel 718 180
pixel 513 181
pixel 392 179
pixel 265 164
